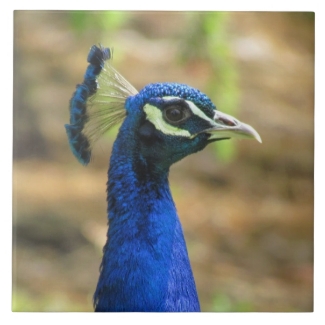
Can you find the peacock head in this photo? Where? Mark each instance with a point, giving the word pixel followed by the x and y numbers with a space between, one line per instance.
pixel 165 121
pixel 174 120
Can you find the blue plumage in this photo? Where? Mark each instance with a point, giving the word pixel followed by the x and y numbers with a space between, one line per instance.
pixel 78 116
pixel 145 265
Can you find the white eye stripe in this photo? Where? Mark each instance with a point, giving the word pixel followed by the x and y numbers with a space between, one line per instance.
pixel 195 110
pixel 154 115
pixel 199 112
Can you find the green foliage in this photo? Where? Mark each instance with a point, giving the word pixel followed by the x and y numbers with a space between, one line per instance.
pixel 22 301
pixel 101 21
pixel 208 40
pixel 222 303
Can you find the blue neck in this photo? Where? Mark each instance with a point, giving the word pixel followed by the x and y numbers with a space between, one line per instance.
pixel 145 265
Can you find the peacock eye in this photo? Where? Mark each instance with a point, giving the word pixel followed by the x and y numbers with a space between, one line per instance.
pixel 176 113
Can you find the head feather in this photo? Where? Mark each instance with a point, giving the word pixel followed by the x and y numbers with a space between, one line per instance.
pixel 97 104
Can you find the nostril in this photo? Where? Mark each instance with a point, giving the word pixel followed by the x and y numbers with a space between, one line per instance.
pixel 226 121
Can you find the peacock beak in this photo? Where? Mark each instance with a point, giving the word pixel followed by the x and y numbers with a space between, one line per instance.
pixel 226 126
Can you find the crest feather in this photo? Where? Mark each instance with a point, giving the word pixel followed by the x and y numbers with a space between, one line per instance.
pixel 97 104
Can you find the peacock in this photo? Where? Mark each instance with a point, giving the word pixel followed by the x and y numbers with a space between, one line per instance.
pixel 145 265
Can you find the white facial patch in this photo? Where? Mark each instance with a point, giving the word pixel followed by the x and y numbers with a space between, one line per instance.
pixel 195 110
pixel 154 115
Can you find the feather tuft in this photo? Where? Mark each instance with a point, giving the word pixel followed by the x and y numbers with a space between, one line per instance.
pixel 97 104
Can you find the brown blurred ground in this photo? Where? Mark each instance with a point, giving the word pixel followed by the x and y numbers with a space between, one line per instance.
pixel 248 223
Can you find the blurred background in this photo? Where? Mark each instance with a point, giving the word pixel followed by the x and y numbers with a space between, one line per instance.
pixel 246 208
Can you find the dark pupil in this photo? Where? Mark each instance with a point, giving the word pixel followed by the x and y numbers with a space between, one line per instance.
pixel 174 114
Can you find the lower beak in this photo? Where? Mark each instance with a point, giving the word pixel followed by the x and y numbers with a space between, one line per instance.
pixel 226 126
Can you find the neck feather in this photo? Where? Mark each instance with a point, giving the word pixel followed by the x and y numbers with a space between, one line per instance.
pixel 145 265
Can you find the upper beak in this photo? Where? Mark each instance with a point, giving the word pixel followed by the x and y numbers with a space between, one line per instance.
pixel 226 126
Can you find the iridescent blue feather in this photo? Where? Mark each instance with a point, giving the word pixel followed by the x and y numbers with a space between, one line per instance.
pixel 97 104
